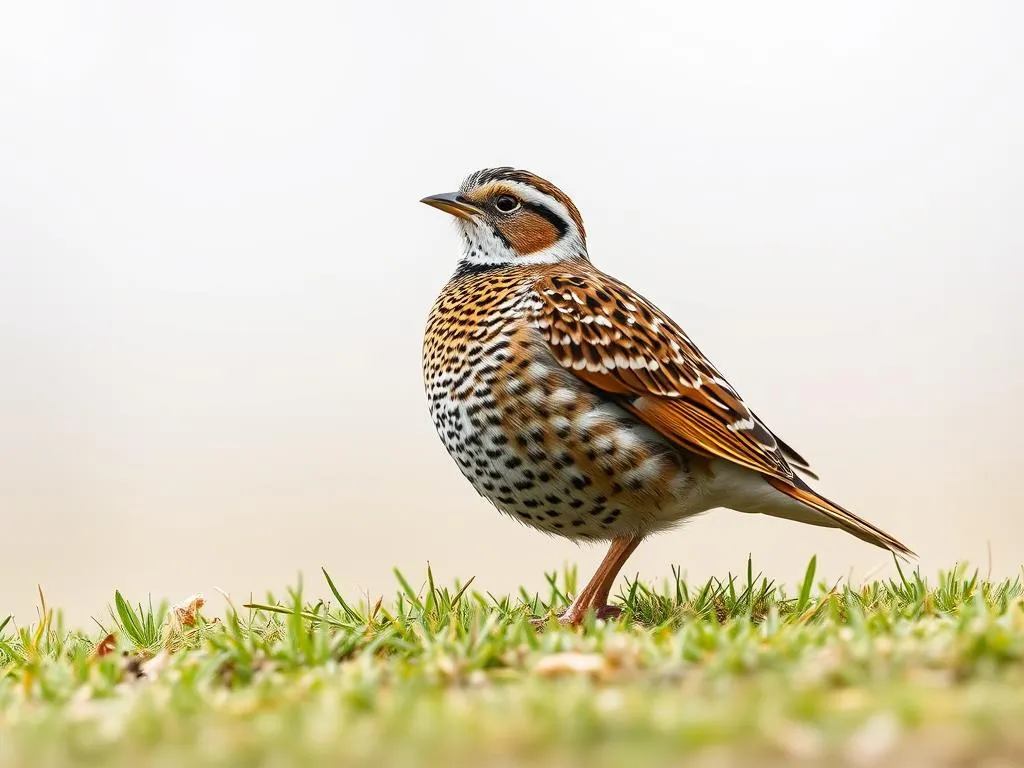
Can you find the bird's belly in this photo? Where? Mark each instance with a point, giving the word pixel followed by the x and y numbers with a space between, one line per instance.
pixel 549 452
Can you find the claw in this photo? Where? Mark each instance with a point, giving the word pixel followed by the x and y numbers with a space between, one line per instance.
pixel 603 612
pixel 608 612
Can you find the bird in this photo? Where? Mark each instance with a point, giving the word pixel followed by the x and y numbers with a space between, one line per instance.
pixel 576 406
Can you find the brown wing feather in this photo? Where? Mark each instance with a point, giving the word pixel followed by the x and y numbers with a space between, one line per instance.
pixel 619 342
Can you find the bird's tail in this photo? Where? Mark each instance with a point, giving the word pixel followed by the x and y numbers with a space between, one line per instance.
pixel 842 518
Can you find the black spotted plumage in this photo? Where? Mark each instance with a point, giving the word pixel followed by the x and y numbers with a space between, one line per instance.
pixel 578 407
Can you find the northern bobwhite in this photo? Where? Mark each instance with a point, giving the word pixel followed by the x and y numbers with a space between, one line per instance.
pixel 575 405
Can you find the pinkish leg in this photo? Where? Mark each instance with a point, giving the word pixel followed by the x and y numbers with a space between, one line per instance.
pixel 595 595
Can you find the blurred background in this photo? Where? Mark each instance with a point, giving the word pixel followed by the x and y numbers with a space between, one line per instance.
pixel 214 274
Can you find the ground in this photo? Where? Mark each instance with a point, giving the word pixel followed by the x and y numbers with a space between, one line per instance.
pixel 904 672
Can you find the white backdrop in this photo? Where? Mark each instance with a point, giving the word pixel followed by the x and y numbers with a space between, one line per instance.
pixel 215 272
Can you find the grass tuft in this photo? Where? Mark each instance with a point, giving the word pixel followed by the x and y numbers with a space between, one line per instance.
pixel 878 672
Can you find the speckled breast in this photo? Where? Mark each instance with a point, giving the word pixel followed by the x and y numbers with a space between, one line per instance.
pixel 529 435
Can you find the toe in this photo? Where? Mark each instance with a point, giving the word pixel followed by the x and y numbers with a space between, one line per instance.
pixel 573 618
pixel 608 612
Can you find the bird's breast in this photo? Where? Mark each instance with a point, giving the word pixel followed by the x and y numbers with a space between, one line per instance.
pixel 533 438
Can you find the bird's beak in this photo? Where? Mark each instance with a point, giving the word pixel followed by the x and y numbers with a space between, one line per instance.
pixel 453 203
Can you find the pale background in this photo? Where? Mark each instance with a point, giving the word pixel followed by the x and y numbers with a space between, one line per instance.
pixel 215 273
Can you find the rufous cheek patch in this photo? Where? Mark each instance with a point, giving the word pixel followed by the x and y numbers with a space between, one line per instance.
pixel 528 232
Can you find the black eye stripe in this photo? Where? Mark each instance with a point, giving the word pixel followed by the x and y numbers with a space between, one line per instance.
pixel 546 213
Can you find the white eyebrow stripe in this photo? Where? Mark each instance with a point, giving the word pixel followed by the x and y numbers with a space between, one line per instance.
pixel 533 195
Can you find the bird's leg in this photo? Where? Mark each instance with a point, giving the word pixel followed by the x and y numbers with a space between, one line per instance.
pixel 595 594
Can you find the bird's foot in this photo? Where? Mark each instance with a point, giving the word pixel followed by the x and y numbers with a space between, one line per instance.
pixel 573 617
pixel 608 612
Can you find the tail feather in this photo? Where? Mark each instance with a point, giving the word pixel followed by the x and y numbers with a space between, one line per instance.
pixel 842 518
pixel 798 462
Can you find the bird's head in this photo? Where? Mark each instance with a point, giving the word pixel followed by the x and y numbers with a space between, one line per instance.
pixel 509 217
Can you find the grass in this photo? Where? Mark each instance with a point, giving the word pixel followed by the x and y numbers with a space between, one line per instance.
pixel 895 672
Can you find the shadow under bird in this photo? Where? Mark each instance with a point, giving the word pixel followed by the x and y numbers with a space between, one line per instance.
pixel 576 406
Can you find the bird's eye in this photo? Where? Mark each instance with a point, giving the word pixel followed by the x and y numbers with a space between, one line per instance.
pixel 506 203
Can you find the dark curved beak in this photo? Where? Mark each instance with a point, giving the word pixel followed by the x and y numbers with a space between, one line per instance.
pixel 453 203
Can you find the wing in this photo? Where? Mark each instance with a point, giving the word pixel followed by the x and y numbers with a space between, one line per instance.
pixel 617 341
